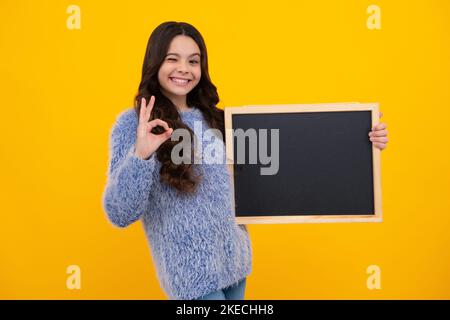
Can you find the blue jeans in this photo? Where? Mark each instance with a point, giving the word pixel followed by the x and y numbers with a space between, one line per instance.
pixel 235 292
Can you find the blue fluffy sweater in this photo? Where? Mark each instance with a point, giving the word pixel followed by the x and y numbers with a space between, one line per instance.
pixel 196 245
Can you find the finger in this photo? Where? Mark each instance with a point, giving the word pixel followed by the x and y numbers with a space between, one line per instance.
pixel 379 139
pixel 158 122
pixel 380 126
pixel 166 135
pixel 162 138
pixel 378 133
pixel 142 110
pixel 381 114
pixel 380 146
pixel 150 107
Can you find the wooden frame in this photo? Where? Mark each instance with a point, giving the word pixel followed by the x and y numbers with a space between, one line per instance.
pixel 320 107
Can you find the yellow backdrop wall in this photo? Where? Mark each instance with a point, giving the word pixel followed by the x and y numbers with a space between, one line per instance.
pixel 62 88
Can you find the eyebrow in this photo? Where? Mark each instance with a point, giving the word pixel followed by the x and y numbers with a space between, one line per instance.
pixel 176 54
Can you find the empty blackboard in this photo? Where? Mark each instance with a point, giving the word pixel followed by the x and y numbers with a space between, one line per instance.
pixel 303 163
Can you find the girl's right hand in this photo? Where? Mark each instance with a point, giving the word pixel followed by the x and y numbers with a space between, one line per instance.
pixel 147 142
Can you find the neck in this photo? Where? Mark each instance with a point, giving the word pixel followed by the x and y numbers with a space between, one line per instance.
pixel 179 102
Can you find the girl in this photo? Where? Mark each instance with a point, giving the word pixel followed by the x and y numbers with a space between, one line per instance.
pixel 199 250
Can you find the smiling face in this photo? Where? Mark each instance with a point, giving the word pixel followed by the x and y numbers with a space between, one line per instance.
pixel 180 72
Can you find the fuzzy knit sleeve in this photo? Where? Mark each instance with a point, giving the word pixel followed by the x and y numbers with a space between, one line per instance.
pixel 129 178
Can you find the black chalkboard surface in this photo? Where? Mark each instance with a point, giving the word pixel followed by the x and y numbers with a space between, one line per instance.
pixel 320 165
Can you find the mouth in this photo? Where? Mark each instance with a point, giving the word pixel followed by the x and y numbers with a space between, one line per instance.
pixel 179 81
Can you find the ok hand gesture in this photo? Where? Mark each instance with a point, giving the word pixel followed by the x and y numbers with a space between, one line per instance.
pixel 146 141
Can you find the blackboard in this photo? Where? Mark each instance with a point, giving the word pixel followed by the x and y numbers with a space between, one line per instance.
pixel 327 168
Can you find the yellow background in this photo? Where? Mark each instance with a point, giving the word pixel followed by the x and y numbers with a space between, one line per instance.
pixel 62 89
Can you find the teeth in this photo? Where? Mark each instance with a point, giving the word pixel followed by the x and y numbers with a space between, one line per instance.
pixel 179 80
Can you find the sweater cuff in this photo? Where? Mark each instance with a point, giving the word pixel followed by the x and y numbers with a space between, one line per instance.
pixel 143 167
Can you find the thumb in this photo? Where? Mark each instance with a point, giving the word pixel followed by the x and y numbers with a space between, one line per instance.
pixel 164 136
pixel 168 132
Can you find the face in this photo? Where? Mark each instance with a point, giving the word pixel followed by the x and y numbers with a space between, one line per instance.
pixel 180 72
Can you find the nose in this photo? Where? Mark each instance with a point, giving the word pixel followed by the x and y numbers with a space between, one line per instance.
pixel 182 68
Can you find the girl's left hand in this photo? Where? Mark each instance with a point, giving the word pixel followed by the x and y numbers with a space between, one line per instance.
pixel 378 135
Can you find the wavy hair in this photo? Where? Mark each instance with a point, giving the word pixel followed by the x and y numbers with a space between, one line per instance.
pixel 203 96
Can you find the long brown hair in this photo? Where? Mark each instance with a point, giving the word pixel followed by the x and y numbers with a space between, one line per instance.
pixel 203 96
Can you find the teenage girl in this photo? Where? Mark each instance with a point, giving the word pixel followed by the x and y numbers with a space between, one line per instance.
pixel 198 249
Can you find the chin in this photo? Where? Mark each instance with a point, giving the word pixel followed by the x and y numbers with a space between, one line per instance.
pixel 179 91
